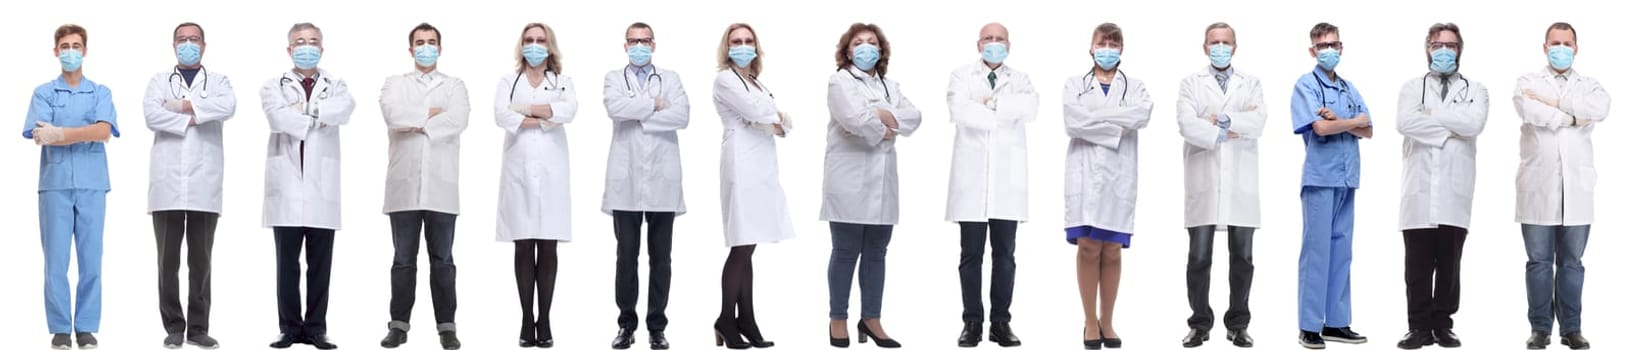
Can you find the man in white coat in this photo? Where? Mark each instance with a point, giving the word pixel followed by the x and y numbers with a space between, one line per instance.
pixel 1554 203
pixel 305 107
pixel 647 106
pixel 1441 113
pixel 1221 115
pixel 425 112
pixel 990 103
pixel 185 107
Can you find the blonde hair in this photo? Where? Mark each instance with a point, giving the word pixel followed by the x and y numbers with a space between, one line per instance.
pixel 552 63
pixel 723 55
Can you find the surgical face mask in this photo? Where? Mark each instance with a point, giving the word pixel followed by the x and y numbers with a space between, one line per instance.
pixel 1220 55
pixel 1107 58
pixel 426 55
pixel 71 59
pixel 865 56
pixel 1443 61
pixel 640 54
pixel 994 53
pixel 188 54
pixel 742 55
pixel 535 54
pixel 1328 58
pixel 1560 57
pixel 307 56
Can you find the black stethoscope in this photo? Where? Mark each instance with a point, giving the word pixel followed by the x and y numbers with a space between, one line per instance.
pixel 283 83
pixel 176 88
pixel 756 83
pixel 1090 87
pixel 1462 95
pixel 881 83
pixel 1349 101
pixel 630 88
pixel 554 84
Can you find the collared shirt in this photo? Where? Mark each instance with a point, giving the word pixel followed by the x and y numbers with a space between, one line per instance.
pixel 642 73
pixel 1223 76
pixel 1333 160
pixel 80 166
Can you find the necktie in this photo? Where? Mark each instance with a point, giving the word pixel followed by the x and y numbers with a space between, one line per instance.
pixel 1445 86
pixel 306 84
pixel 992 80
pixel 1222 80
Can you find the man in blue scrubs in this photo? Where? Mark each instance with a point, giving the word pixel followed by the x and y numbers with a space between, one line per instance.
pixel 70 118
pixel 1330 115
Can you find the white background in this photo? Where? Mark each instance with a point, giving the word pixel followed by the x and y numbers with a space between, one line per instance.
pixel 130 41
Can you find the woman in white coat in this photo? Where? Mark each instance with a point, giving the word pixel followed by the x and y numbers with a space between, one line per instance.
pixel 860 199
pixel 532 105
pixel 751 198
pixel 1104 111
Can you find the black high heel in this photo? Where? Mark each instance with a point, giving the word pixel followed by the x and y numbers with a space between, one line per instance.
pixel 1091 344
pixel 861 327
pixel 529 337
pixel 844 342
pixel 546 340
pixel 1111 343
pixel 751 332
pixel 728 337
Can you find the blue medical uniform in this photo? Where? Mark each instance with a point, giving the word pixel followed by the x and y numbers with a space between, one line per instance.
pixel 1332 172
pixel 73 192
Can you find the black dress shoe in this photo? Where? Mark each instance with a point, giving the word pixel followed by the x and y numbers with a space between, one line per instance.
pixel 1342 335
pixel 1239 338
pixel 657 340
pixel 971 335
pixel 1311 340
pixel 1416 339
pixel 285 341
pixel 1003 335
pixel 1574 340
pixel 861 327
pixel 1446 339
pixel 322 342
pixel 449 340
pixel 1538 341
pixel 1194 338
pixel 394 338
pixel 625 338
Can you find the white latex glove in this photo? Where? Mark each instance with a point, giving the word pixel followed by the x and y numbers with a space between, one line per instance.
pixel 787 121
pixel 174 106
pixel 47 134
pixel 522 108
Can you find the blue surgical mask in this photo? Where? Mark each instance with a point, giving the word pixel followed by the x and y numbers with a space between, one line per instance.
pixel 1328 58
pixel 535 54
pixel 1443 61
pixel 640 54
pixel 994 53
pixel 1560 57
pixel 188 53
pixel 307 56
pixel 426 55
pixel 742 55
pixel 865 56
pixel 1221 54
pixel 71 59
pixel 1107 58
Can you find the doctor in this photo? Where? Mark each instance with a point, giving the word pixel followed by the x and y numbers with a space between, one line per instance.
pixel 1330 115
pixel 860 199
pixel 752 201
pixel 1559 107
pixel 425 112
pixel 1103 118
pixel 71 118
pixel 647 106
pixel 1441 114
pixel 305 108
pixel 990 103
pixel 531 105
pixel 1221 116
pixel 186 107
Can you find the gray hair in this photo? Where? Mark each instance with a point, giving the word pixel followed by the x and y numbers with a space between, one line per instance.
pixel 303 26
pixel 1220 25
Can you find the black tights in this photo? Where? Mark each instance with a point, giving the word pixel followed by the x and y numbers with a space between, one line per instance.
pixel 737 293
pixel 535 271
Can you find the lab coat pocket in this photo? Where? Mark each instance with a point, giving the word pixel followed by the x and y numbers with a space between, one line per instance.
pixel 330 186
pixel 1586 179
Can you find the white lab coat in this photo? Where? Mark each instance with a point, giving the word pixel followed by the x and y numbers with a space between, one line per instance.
pixel 185 169
pixel 643 162
pixel 859 182
pixel 1221 178
pixel 422 172
pixel 534 200
pixel 989 170
pixel 1556 176
pixel 1438 150
pixel 753 206
pixel 1102 158
pixel 304 192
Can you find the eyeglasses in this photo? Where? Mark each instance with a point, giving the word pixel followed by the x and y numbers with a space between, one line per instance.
pixel 1444 45
pixel 1338 45
pixel 637 41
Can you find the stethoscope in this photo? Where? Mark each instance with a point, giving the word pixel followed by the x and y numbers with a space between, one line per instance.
pixel 1350 100
pixel 283 83
pixel 1087 87
pixel 630 88
pixel 1462 95
pixel 756 83
pixel 178 91
pixel 554 83
pixel 882 85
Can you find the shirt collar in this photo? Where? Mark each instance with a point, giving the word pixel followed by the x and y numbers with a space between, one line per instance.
pixel 1227 73
pixel 1321 77
pixel 85 85
pixel 859 73
pixel 1569 74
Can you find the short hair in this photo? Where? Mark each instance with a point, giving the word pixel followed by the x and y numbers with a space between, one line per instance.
pixel 641 25
pixel 1322 29
pixel 552 63
pixel 303 26
pixel 1560 26
pixel 1444 27
pixel 424 27
pixel 723 54
pixel 1218 25
pixel 70 29
pixel 1108 31
pixel 188 24
pixel 842 57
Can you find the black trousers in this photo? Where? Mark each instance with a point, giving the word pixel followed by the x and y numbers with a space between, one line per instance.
pixel 626 225
pixel 1199 275
pixel 973 236
pixel 439 239
pixel 197 228
pixel 320 249
pixel 1433 268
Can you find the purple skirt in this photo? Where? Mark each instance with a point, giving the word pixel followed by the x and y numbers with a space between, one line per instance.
pixel 1094 233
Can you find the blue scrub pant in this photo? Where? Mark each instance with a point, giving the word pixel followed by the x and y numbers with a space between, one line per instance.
pixel 72 217
pixel 1324 260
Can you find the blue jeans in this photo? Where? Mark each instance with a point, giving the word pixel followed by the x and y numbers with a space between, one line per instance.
pixel 1554 294
pixel 850 241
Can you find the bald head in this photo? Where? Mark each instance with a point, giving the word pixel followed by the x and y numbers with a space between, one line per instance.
pixel 992 33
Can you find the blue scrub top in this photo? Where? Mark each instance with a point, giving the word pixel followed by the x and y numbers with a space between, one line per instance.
pixel 80 166
pixel 1334 160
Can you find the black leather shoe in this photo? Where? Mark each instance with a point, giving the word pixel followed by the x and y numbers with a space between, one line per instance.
pixel 285 341
pixel 1574 340
pixel 625 338
pixel 1342 335
pixel 1446 339
pixel 394 338
pixel 839 342
pixel 1194 338
pixel 1091 344
pixel 1311 340
pixel 322 342
pixel 971 335
pixel 657 340
pixel 1111 343
pixel 449 340
pixel 861 327
pixel 1538 341
pixel 1003 335
pixel 1239 338
pixel 1416 339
